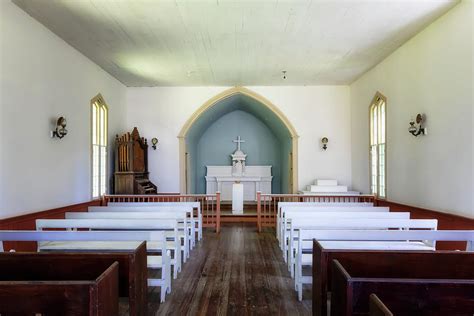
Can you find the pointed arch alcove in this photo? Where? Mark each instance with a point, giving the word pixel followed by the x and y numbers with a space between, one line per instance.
pixel 249 107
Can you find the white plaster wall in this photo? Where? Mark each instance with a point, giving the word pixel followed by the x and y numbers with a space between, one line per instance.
pixel 432 74
pixel 315 111
pixel 42 78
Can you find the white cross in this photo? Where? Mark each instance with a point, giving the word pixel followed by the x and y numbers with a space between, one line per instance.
pixel 238 141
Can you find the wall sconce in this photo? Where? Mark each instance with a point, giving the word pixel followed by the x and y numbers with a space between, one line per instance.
pixel 154 142
pixel 60 130
pixel 416 126
pixel 325 142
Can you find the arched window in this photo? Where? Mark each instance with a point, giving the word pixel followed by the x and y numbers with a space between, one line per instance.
pixel 99 146
pixel 378 148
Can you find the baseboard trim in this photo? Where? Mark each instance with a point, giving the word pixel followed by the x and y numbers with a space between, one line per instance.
pixel 446 221
pixel 27 222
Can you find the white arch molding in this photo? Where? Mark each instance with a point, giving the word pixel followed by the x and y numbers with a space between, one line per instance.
pixel 216 99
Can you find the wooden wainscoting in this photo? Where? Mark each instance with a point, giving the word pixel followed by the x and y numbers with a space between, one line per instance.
pixel 445 221
pixel 27 222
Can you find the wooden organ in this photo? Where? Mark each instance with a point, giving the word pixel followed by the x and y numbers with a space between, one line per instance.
pixel 131 165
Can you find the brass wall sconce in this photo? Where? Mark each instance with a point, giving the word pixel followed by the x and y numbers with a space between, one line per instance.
pixel 60 130
pixel 154 142
pixel 417 126
pixel 325 142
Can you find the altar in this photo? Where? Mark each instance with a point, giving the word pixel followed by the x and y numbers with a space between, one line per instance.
pixel 256 178
pixel 253 178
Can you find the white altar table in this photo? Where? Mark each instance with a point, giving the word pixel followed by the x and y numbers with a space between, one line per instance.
pixel 256 178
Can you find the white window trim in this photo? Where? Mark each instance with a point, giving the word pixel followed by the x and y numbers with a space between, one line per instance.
pixel 376 99
pixel 99 100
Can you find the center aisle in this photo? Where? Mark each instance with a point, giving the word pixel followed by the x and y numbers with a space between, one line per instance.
pixel 236 272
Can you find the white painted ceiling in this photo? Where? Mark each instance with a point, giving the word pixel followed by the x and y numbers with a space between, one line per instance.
pixel 224 42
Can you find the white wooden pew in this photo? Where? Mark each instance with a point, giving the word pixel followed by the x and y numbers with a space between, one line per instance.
pixel 179 216
pixel 291 209
pixel 335 216
pixel 196 205
pixel 316 204
pixel 304 245
pixel 112 240
pixel 376 240
pixel 133 207
pixel 153 262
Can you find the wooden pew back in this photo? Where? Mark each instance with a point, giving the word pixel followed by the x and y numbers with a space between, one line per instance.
pixel 91 294
pixel 322 268
pixel 36 266
pixel 411 292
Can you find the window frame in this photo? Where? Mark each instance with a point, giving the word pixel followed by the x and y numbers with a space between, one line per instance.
pixel 376 100
pixel 102 106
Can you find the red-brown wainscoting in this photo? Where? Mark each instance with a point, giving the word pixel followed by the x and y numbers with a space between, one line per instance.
pixel 445 221
pixel 27 222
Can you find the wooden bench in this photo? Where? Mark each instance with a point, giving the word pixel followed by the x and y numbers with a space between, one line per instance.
pixel 179 216
pixel 312 216
pixel 195 205
pixel 323 255
pixel 42 290
pixel 305 233
pixel 285 211
pixel 101 241
pixel 150 209
pixel 315 204
pixel 415 285
pixel 132 272
pixel 160 262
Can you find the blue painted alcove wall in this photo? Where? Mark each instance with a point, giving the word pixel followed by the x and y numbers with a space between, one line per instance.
pixel 209 140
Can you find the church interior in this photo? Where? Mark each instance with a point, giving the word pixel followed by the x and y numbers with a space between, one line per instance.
pixel 223 157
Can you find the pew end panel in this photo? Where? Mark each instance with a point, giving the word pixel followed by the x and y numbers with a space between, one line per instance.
pixel 351 289
pixel 104 293
pixel 97 297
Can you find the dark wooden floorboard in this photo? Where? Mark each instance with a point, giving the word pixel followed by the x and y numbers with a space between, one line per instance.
pixel 236 272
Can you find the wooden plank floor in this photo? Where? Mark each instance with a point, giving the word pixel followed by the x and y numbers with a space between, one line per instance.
pixel 236 272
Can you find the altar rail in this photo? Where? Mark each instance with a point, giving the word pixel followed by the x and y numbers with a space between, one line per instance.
pixel 210 204
pixel 267 204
